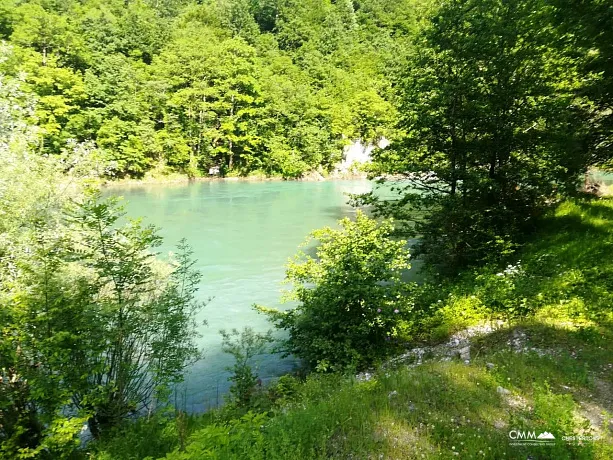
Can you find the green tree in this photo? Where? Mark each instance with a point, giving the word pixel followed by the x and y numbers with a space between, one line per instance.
pixel 120 114
pixel 296 121
pixel 7 18
pixel 60 95
pixel 45 31
pixel 146 319
pixel 265 12
pixel 272 86
pixel 214 97
pixel 93 326
pixel 371 116
pixel 141 31
pixel 585 35
pixel 486 142
pixel 352 299
pixel 236 16
pixel 37 310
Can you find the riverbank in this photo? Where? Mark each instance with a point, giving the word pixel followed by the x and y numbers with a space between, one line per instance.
pixel 524 350
pixel 153 178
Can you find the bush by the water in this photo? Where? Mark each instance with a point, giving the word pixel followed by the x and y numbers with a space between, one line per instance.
pixel 352 298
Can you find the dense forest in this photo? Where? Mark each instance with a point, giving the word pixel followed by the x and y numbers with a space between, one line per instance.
pixel 271 86
pixel 496 112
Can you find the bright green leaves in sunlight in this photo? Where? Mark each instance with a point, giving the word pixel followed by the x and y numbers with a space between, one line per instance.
pixel 265 87
pixel 93 328
pixel 146 315
pixel 215 96
pixel 353 302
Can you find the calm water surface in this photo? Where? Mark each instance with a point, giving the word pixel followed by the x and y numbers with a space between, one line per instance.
pixel 242 234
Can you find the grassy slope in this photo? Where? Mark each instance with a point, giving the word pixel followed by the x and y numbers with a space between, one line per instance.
pixel 551 372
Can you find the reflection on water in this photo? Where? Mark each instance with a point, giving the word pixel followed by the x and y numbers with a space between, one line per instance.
pixel 242 234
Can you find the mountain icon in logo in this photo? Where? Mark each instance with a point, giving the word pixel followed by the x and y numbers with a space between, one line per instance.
pixel 545 435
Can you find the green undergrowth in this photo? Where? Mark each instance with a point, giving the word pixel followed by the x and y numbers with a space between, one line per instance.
pixel 564 274
pixel 434 410
pixel 547 366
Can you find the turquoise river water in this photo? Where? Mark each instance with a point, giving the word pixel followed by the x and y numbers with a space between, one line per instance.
pixel 242 234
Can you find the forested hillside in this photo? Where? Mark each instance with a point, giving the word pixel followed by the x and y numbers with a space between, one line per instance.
pixel 269 86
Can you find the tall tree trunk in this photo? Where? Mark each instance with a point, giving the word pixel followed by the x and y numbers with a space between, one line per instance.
pixel 230 144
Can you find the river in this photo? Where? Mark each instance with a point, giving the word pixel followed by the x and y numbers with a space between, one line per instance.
pixel 242 234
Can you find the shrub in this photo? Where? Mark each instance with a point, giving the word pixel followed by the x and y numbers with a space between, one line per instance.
pixel 243 346
pixel 352 299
